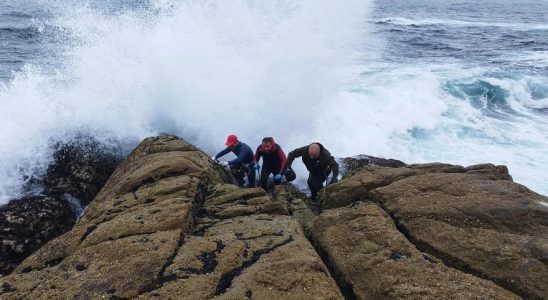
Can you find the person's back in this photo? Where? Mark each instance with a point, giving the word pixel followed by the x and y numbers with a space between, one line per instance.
pixel 244 154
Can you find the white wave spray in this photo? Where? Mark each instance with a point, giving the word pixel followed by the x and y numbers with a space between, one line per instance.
pixel 289 69
pixel 199 69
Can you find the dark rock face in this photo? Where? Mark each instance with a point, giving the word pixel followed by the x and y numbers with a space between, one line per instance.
pixel 351 165
pixel 26 224
pixel 79 170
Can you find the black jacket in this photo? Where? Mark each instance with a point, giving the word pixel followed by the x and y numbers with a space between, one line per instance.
pixel 321 166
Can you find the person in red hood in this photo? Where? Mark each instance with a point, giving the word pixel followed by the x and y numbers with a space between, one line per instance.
pixel 273 160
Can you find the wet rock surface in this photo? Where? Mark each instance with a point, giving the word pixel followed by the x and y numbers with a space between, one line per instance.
pixel 474 219
pixel 245 245
pixel 80 168
pixel 26 224
pixel 350 165
pixel 373 260
pixel 169 224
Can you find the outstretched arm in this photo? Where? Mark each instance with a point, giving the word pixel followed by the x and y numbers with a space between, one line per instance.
pixel 257 156
pixel 333 165
pixel 282 157
pixel 223 152
pixel 292 155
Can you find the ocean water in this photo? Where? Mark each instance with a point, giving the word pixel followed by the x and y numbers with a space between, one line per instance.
pixel 452 81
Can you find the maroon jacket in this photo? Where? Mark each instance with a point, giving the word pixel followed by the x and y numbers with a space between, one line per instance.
pixel 273 160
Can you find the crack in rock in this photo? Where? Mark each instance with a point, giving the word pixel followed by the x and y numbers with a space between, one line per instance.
pixel 239 235
pixel 226 279
pixel 447 259
pixel 161 279
pixel 208 259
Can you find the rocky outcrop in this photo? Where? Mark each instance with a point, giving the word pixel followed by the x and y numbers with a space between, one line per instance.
pixel 350 165
pixel 373 260
pixel 474 219
pixel 80 168
pixel 169 224
pixel 245 245
pixel 26 224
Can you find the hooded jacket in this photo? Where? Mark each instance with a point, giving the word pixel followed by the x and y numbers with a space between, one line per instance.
pixel 272 161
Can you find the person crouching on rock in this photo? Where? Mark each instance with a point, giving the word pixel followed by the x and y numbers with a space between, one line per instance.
pixel 273 161
pixel 318 162
pixel 243 164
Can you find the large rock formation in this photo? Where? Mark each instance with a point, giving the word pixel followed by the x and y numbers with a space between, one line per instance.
pixel 169 225
pixel 79 170
pixel 474 219
pixel 373 260
pixel 27 224
pixel 81 167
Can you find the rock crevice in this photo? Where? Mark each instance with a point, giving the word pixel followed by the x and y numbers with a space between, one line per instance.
pixel 474 219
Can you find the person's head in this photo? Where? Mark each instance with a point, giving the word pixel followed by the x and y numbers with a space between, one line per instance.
pixel 314 151
pixel 232 141
pixel 268 144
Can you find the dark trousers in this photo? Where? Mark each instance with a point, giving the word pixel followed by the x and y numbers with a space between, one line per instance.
pixel 265 173
pixel 240 171
pixel 315 183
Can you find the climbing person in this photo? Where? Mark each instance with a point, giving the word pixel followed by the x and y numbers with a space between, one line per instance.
pixel 273 160
pixel 243 164
pixel 318 162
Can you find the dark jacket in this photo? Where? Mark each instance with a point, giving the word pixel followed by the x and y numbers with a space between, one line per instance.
pixel 322 165
pixel 272 161
pixel 243 152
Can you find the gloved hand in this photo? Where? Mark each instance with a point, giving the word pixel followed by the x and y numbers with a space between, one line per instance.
pixel 224 163
pixel 333 180
pixel 278 178
pixel 213 158
pixel 257 167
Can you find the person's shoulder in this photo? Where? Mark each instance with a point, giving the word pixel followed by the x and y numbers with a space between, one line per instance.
pixel 299 151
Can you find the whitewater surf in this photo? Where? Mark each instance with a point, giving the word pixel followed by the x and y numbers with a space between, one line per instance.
pixel 418 81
